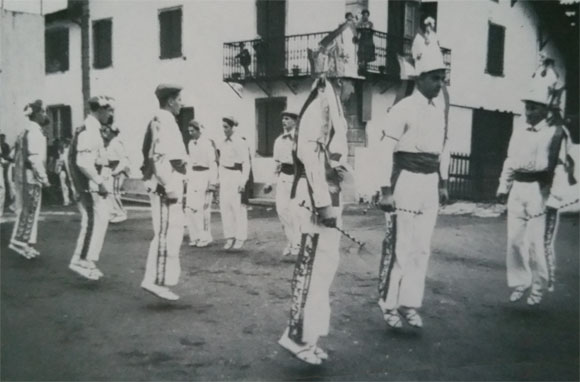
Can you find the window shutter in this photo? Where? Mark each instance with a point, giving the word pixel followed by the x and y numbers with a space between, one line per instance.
pixel 495 49
pixel 66 122
pixel 102 43
pixel 185 116
pixel 261 120
pixel 170 33
pixel 56 50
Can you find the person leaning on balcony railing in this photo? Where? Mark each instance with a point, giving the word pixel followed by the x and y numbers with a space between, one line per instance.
pixel 536 175
pixel 425 39
pixel 415 179
pixel 366 45
pixel 245 59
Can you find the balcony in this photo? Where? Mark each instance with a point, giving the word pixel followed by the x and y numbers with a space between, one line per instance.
pixel 287 57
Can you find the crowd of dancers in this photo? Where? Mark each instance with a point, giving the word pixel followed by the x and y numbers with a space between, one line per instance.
pixel 310 164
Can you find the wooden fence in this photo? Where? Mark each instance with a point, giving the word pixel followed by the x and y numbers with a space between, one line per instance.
pixel 460 180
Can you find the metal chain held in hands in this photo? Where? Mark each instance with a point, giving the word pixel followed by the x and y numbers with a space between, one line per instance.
pixel 345 233
pixel 543 213
pixel 412 212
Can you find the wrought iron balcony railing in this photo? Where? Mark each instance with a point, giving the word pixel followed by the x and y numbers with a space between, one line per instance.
pixel 287 56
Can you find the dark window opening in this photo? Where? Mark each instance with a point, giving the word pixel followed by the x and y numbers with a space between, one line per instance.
pixel 60 126
pixel 186 115
pixel 170 33
pixel 102 44
pixel 429 9
pixel 495 49
pixel 56 50
pixel 269 123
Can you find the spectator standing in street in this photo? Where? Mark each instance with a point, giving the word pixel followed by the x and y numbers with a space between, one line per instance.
pixel 321 154
pixel 201 184
pixel 234 172
pixel 535 176
pixel 164 170
pixel 87 157
pixel 416 162
pixel 119 171
pixel 30 176
pixel 61 171
pixel 284 175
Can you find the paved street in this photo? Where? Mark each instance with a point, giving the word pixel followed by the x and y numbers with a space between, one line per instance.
pixel 234 306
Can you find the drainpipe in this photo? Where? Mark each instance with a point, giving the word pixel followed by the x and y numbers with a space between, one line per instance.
pixel 85 54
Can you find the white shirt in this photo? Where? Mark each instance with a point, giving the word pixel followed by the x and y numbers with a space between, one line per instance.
pixel 528 152
pixel 167 145
pixel 116 152
pixel 232 151
pixel 416 125
pixel 36 147
pixel 283 146
pixel 91 150
pixel 202 153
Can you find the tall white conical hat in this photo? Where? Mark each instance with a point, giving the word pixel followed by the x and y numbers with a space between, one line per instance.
pixel 430 59
pixel 545 87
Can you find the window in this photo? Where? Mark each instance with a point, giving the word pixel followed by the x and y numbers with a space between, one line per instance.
pixel 495 49
pixel 186 115
pixel 410 25
pixel 102 43
pixel 170 33
pixel 60 122
pixel 269 123
pixel 356 6
pixel 56 50
pixel 429 9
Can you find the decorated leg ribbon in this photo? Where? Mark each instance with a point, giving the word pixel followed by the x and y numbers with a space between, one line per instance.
pixel 300 285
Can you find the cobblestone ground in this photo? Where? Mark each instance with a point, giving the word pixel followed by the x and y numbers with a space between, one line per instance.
pixel 234 306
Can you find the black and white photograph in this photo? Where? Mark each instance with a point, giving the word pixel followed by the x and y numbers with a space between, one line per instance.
pixel 289 190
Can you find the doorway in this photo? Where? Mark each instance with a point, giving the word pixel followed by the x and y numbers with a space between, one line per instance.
pixel 491 132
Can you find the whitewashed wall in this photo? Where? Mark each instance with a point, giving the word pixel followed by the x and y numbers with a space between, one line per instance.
pixel 137 69
pixel 21 68
pixel 64 88
pixel 463 27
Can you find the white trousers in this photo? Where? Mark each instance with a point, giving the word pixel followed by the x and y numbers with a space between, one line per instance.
pixel 234 214
pixel 64 187
pixel 95 212
pixel 417 192
pixel 198 207
pixel 526 254
pixel 286 212
pixel 117 209
pixel 28 199
pixel 163 266
pixel 315 269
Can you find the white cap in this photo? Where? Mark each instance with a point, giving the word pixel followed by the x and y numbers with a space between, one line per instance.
pixel 544 88
pixel 430 59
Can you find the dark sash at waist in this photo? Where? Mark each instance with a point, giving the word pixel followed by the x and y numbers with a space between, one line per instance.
pixel 235 167
pixel 200 168
pixel 113 164
pixel 287 168
pixel 530 177
pixel 421 163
